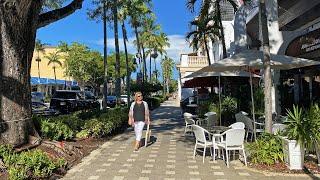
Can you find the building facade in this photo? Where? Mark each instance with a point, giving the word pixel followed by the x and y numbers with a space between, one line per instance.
pixel 43 76
pixel 293 27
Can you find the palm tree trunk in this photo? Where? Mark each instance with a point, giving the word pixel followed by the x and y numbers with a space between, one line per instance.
pixel 116 42
pixel 55 76
pixel 105 64
pixel 155 69
pixel 207 49
pixel 224 49
pixel 39 70
pixel 144 62
pixel 124 34
pixel 138 45
pixel 150 78
pixel 267 69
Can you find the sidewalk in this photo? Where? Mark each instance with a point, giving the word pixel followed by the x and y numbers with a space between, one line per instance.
pixel 169 157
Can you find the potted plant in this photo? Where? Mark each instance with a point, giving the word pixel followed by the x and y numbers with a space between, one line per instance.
pixel 302 132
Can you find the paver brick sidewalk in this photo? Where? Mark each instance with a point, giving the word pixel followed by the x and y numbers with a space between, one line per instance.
pixel 168 157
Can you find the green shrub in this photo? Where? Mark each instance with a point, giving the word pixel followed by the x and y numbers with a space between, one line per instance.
pixel 56 130
pixel 85 133
pixel 31 164
pixel 267 149
pixel 229 105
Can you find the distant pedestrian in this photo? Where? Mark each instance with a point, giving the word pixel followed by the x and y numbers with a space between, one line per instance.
pixel 138 117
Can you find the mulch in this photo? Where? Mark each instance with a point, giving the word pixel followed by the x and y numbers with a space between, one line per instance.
pixel 310 167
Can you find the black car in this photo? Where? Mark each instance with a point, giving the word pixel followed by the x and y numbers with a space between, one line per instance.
pixel 111 101
pixel 67 101
pixel 39 108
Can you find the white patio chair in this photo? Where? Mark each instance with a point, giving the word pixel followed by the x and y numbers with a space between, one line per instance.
pixel 210 120
pixel 237 125
pixel 202 140
pixel 188 119
pixel 240 117
pixel 232 140
pixel 276 128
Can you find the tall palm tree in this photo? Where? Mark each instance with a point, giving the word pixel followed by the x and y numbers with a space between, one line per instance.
pixel 213 8
pixel 202 34
pixel 54 60
pixel 150 36
pixel 167 65
pixel 102 12
pixel 137 10
pixel 116 40
pixel 39 48
pixel 123 15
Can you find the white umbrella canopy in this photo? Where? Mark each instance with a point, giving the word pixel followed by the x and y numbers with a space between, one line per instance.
pixel 254 59
pixel 223 73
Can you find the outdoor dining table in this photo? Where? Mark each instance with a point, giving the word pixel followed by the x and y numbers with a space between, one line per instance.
pixel 215 129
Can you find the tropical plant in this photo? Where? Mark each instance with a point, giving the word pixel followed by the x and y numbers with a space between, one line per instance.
pixel 101 12
pixel 54 60
pixel 39 47
pixel 267 149
pixel 137 10
pixel 213 8
pixel 304 126
pixel 202 34
pixel 167 65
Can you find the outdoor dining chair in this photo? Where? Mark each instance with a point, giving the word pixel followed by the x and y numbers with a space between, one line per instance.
pixel 231 140
pixel 237 125
pixel 240 117
pixel 203 139
pixel 210 120
pixel 188 119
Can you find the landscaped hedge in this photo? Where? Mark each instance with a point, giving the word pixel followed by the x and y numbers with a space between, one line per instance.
pixel 28 165
pixel 93 123
pixel 155 101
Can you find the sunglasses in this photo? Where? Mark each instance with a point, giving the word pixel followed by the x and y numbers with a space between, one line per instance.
pixel 138 96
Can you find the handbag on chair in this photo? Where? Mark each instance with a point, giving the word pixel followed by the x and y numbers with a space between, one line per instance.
pixel 148 135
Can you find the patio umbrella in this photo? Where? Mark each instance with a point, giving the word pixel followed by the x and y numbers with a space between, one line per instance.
pixel 253 59
pixel 198 74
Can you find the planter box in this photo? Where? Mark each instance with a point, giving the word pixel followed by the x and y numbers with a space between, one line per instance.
pixel 293 154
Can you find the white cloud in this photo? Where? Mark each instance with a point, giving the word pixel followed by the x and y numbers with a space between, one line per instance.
pixel 178 45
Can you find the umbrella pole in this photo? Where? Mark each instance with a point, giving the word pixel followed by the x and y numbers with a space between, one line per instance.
pixel 253 111
pixel 220 100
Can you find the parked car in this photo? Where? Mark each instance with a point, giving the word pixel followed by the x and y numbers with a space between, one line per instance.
pixel 124 99
pixel 37 97
pixel 67 101
pixel 111 101
pixel 39 108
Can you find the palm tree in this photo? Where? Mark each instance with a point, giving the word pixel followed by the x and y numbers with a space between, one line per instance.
pixel 150 37
pixel 205 11
pixel 167 65
pixel 102 12
pixel 54 59
pixel 123 15
pixel 202 34
pixel 39 48
pixel 116 40
pixel 137 10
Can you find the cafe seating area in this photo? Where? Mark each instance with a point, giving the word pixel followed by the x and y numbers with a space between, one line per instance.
pixel 223 141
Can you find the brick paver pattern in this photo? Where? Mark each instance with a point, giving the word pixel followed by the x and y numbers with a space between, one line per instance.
pixel 168 157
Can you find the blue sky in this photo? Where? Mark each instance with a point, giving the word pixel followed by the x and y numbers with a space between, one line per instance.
pixel 172 15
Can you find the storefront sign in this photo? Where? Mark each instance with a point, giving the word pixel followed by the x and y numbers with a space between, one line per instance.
pixel 304 44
